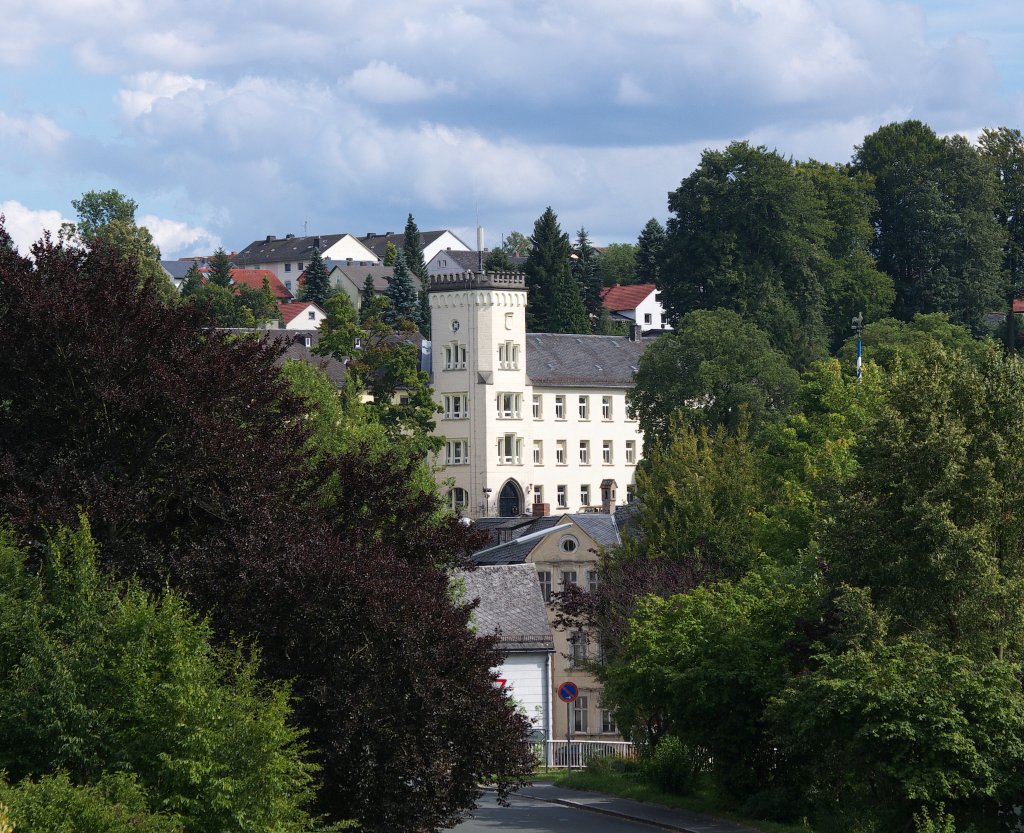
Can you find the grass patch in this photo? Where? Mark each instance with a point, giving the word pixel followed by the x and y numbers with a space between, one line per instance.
pixel 631 785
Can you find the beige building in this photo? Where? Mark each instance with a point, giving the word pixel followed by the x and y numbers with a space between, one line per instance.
pixel 529 420
pixel 564 550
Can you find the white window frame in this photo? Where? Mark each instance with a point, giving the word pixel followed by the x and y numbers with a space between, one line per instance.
pixel 580 715
pixel 544 577
pixel 508 356
pixel 630 452
pixel 560 452
pixel 456 453
pixel 458 498
pixel 608 726
pixel 585 494
pixel 559 406
pixel 538 406
pixel 584 452
pixel 538 452
pixel 510 450
pixel 607 451
pixel 509 405
pixel 606 408
pixel 455 356
pixel 593 580
pixel 584 407
pixel 456 406
pixel 562 495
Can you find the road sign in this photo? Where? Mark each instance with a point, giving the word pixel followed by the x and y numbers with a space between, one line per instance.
pixel 501 682
pixel 567 692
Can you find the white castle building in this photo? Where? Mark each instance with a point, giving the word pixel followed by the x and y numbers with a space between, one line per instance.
pixel 533 422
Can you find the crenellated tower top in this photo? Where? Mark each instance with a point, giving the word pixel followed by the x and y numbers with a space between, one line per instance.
pixel 477 280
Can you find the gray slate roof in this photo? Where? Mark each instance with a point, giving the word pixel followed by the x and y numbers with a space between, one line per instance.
pixel 357 274
pixel 582 360
pixel 177 269
pixel 511 605
pixel 470 261
pixel 600 526
pixel 278 249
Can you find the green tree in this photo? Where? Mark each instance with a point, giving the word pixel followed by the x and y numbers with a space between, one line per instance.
pixel 108 218
pixel 223 308
pixel 317 285
pixel 424 325
pixel 933 521
pixel 497 260
pixel 220 269
pixel 117 804
pixel 401 293
pixel 1003 149
pixel 193 280
pixel 98 677
pixel 617 264
pixel 712 368
pixel 648 251
pixel 937 232
pixel 585 271
pixel 260 303
pixel 516 244
pixel 886 341
pixel 390 253
pixel 751 234
pixel 412 248
pixel 547 267
pixel 367 295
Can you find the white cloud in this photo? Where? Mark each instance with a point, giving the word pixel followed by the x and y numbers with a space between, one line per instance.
pixel 149 87
pixel 178 239
pixel 631 92
pixel 26 225
pixel 37 132
pixel 386 83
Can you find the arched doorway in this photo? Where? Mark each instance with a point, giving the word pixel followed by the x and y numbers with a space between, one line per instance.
pixel 510 500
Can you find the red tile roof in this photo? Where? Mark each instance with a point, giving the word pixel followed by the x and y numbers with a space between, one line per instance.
pixel 254 278
pixel 290 311
pixel 1018 306
pixel 617 297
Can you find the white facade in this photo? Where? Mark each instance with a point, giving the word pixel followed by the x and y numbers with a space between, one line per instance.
pixel 446 241
pixel 512 440
pixel 527 681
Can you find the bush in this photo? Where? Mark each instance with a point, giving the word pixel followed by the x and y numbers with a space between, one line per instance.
pixel 673 767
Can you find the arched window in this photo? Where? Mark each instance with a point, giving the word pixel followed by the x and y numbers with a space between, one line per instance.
pixel 458 498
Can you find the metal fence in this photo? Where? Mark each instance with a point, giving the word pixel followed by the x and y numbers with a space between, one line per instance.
pixel 558 754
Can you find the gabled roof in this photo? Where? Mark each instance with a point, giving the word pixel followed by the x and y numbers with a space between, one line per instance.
pixel 378 243
pixel 356 274
pixel 254 278
pixel 600 526
pixel 582 360
pixel 617 297
pixel 277 249
pixel 177 269
pixel 290 311
pixel 470 261
pixel 511 606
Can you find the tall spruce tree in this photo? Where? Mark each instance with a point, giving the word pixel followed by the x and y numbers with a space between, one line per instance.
pixel 366 297
pixel 317 285
pixel 588 276
pixel 548 260
pixel 648 250
pixel 412 248
pixel 424 313
pixel 402 295
pixel 193 281
pixel 390 253
pixel 220 268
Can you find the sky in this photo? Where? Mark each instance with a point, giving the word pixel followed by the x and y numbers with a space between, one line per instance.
pixel 228 121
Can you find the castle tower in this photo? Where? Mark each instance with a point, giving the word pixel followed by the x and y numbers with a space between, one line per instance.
pixel 478 324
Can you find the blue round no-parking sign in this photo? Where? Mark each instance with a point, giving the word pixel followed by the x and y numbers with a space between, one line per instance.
pixel 567 692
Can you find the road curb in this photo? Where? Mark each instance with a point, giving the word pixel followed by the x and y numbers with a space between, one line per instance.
pixel 604 811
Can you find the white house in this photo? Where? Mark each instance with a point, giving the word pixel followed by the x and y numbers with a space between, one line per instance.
pixel 300 315
pixel 530 421
pixel 637 304
pixel 288 256
pixel 511 607
pixel 433 242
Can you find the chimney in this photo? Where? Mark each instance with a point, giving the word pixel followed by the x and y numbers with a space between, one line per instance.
pixel 636 332
pixel 270 237
pixel 480 246
pixel 316 243
pixel 541 510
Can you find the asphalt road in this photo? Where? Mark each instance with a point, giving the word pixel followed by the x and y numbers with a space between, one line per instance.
pixel 527 815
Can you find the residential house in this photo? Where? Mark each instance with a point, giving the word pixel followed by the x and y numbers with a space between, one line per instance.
pixel 637 304
pixel 288 257
pixel 433 242
pixel 510 606
pixel 529 419
pixel 563 549
pixel 299 315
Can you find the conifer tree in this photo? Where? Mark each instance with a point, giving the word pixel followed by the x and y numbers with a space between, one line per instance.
pixel 192 282
pixel 390 253
pixel 401 292
pixel 567 313
pixel 220 268
pixel 548 261
pixel 317 285
pixel 424 313
pixel 413 250
pixel 588 276
pixel 366 297
pixel 648 250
